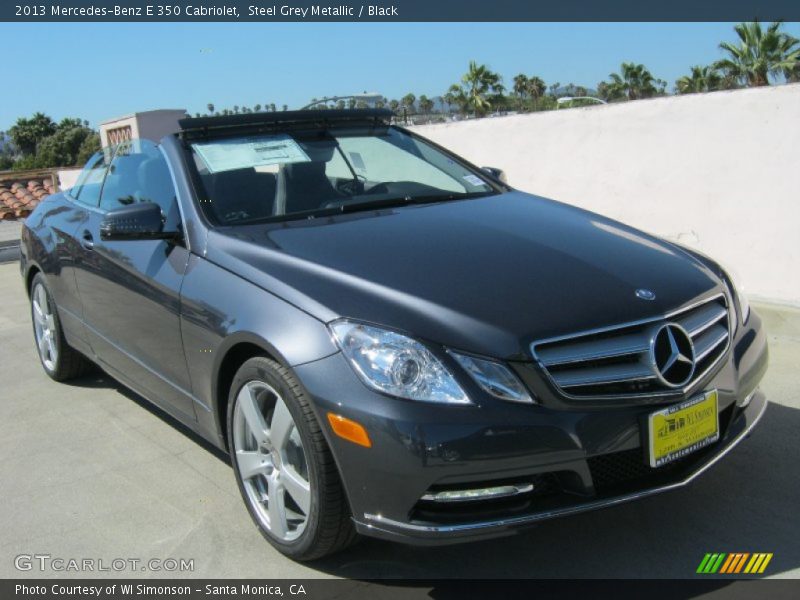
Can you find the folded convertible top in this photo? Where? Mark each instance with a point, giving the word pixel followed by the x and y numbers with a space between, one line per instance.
pixel 317 118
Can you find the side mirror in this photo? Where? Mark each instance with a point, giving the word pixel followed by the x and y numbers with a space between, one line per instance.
pixel 142 221
pixel 496 173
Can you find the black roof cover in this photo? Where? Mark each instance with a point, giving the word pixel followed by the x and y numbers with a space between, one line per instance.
pixel 287 118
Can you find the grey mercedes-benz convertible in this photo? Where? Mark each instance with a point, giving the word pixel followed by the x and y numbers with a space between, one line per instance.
pixel 388 340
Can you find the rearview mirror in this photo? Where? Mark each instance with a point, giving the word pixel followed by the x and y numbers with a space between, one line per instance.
pixel 496 173
pixel 142 221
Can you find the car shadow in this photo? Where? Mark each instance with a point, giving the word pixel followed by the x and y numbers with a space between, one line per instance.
pixel 97 379
pixel 746 503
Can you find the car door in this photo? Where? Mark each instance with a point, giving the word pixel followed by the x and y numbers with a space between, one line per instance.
pixel 63 215
pixel 130 290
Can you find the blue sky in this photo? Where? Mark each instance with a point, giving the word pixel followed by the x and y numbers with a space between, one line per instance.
pixel 100 70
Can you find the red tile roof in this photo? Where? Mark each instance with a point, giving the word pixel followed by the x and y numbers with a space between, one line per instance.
pixel 19 198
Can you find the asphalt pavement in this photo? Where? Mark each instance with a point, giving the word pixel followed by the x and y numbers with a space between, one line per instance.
pixel 90 470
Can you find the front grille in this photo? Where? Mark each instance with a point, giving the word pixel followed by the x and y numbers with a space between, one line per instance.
pixel 631 468
pixel 616 361
pixel 627 467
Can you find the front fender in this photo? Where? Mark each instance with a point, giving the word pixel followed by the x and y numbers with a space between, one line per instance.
pixel 221 312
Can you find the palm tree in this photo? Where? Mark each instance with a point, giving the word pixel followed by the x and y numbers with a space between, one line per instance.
pixel 632 82
pixel 257 108
pixel 425 104
pixel 479 88
pixel 700 79
pixel 536 89
pixel 210 107
pixel 603 91
pixel 520 87
pixel 759 54
pixel 408 102
pixel 394 104
pixel 449 99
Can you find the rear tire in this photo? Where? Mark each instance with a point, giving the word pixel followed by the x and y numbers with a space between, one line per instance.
pixel 291 485
pixel 59 360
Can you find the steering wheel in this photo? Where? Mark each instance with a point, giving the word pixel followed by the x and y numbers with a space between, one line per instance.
pixel 351 187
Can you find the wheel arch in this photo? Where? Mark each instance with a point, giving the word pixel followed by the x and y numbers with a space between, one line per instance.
pixel 231 355
pixel 31 272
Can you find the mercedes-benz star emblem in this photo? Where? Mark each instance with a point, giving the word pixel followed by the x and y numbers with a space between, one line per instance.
pixel 645 294
pixel 672 355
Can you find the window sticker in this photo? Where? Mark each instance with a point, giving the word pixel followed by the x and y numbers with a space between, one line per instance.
pixel 473 180
pixel 241 153
pixel 358 162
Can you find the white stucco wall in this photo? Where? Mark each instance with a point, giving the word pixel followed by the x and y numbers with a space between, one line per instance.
pixel 67 178
pixel 718 172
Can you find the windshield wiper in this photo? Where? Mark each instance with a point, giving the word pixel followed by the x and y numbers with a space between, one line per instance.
pixel 362 206
pixel 406 200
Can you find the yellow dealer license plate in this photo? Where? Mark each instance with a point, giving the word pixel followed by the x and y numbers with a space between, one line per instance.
pixel 683 428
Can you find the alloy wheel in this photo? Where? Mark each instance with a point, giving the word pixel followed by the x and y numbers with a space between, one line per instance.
pixel 271 461
pixel 44 327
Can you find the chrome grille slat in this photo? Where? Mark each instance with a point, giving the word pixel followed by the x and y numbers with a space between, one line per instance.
pixel 582 351
pixel 698 321
pixel 616 361
pixel 599 375
pixel 705 343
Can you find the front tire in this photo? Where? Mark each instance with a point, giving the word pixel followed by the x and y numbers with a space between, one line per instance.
pixel 284 468
pixel 59 360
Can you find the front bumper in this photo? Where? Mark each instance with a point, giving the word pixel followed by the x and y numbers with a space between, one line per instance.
pixel 578 459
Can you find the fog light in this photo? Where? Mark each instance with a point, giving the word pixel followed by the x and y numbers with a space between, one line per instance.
pixel 747 399
pixel 489 493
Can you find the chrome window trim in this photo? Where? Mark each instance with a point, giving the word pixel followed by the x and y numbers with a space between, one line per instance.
pixel 178 200
pixel 675 392
pixel 94 208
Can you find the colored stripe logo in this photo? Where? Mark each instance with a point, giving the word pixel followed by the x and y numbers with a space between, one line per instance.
pixel 734 563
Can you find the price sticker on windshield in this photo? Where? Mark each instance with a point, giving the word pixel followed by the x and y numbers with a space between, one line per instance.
pixel 241 153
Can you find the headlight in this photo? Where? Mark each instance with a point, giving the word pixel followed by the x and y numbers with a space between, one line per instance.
pixel 395 364
pixel 738 292
pixel 494 378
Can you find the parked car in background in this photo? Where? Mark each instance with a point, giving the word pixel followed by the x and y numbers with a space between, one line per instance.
pixel 388 340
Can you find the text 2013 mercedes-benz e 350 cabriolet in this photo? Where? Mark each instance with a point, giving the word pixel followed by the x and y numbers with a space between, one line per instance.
pixel 388 340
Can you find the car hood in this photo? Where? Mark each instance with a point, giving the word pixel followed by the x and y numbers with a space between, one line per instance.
pixel 487 275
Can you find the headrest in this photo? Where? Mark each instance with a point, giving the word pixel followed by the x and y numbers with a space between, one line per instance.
pixel 318 150
pixel 153 174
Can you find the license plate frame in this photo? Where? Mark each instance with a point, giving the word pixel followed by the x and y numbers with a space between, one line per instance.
pixel 683 428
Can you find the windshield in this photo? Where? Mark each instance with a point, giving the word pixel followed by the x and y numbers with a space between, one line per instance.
pixel 292 175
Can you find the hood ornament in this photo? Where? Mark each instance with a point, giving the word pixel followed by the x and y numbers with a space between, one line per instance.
pixel 644 294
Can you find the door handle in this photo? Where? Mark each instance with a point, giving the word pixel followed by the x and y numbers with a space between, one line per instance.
pixel 87 241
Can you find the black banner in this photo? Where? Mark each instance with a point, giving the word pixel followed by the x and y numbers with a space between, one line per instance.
pixel 401 10
pixel 323 589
